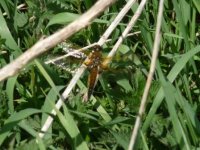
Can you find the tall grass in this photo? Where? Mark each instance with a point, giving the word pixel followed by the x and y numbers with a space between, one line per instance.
pixel 171 119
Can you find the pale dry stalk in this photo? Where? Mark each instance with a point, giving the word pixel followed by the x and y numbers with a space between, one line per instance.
pixel 78 74
pixel 149 78
pixel 44 45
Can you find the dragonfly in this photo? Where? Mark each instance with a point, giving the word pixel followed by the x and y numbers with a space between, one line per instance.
pixel 94 65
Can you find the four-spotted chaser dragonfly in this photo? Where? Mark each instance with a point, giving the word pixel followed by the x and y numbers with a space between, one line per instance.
pixel 94 65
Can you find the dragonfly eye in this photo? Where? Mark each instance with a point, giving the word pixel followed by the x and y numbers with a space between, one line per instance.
pixel 97 48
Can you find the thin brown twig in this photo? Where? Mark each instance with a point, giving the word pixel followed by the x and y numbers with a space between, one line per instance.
pixel 44 45
pixel 116 21
pixel 106 34
pixel 125 33
pixel 149 78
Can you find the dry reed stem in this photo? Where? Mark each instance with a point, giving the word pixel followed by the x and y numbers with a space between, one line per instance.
pixel 149 78
pixel 59 103
pixel 82 49
pixel 116 21
pixel 78 74
pixel 125 33
pixel 49 42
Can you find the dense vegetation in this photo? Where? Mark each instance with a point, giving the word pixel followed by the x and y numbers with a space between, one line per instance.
pixel 172 117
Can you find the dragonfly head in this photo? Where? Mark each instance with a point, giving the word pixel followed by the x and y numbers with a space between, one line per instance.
pixel 97 48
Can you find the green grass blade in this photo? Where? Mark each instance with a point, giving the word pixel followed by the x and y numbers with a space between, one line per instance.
pixel 171 77
pixel 181 136
pixel 47 108
pixel 66 18
pixel 190 118
pixel 120 139
pixel 180 19
pixel 47 77
pixel 6 34
pixel 70 126
pixel 25 126
pixel 197 4
pixel 99 108
pixel 10 92
pixel 144 141
pixel 13 120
